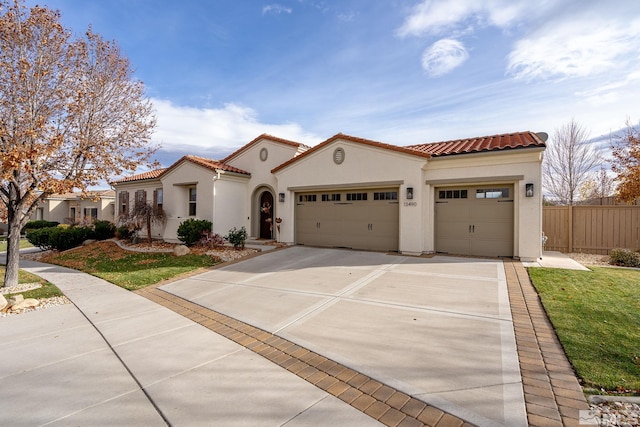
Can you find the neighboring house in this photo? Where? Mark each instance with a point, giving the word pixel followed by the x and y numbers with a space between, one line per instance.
pixel 478 196
pixel 72 208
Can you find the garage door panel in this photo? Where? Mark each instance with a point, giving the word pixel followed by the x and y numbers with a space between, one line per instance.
pixel 352 219
pixel 478 222
pixel 454 246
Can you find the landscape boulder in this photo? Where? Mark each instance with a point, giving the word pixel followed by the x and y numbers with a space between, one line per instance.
pixel 25 303
pixel 3 302
pixel 181 250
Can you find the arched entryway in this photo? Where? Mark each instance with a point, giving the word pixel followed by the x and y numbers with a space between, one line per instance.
pixel 266 215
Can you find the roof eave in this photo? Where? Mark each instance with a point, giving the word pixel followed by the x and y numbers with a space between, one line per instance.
pixel 488 152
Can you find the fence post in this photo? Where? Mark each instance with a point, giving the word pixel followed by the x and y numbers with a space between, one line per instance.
pixel 570 228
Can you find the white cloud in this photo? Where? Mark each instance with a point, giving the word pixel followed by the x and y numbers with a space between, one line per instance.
pixel 220 130
pixel 276 9
pixel 443 56
pixel 437 16
pixel 552 39
pixel 347 16
pixel 574 48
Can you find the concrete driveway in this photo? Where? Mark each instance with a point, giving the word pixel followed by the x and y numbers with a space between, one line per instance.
pixel 438 328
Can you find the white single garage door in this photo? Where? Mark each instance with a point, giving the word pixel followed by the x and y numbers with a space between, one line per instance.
pixel 358 219
pixel 475 220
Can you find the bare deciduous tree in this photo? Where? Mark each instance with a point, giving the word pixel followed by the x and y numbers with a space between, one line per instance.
pixel 71 114
pixel 568 161
pixel 598 186
pixel 626 162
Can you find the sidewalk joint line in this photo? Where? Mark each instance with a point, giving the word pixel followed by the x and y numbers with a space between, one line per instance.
pixel 332 377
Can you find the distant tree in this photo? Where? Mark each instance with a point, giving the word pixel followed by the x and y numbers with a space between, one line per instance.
pixel 70 114
pixel 598 186
pixel 568 161
pixel 626 162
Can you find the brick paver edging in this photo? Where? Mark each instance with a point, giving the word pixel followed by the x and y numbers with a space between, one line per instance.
pixel 379 401
pixel 552 394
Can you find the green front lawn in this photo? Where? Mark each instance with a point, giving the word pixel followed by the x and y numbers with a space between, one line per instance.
pixel 596 315
pixel 24 243
pixel 46 291
pixel 130 270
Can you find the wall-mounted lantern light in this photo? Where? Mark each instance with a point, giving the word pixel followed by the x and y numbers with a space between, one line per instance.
pixel 528 190
pixel 409 193
pixel 281 197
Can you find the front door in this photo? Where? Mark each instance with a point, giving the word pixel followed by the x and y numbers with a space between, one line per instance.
pixel 266 215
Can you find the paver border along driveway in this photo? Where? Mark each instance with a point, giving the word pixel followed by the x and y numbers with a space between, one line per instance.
pixel 438 329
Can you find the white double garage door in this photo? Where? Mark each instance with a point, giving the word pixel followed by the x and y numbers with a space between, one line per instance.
pixel 469 220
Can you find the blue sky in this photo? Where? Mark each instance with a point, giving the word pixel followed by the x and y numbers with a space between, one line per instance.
pixel 221 72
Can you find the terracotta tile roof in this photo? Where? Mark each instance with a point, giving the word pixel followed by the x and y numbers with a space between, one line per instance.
pixel 264 136
pixel 481 144
pixel 152 174
pixel 344 137
pixel 87 195
pixel 209 164
pixel 201 161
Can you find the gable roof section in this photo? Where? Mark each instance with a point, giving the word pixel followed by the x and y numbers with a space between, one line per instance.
pixel 90 194
pixel 213 165
pixel 153 174
pixel 255 141
pixel 357 140
pixel 481 144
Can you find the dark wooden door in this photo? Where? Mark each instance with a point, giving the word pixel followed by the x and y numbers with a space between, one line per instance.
pixel 266 215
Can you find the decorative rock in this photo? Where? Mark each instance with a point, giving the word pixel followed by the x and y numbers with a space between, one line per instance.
pixel 181 250
pixel 25 303
pixel 3 302
pixel 16 299
pixel 89 242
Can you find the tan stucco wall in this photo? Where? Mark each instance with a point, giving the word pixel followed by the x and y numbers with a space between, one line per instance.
pixel 517 167
pixel 176 184
pixel 231 207
pixel 261 176
pixel 363 166
pixel 157 230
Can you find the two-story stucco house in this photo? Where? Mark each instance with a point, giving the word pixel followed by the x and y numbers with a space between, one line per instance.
pixel 477 196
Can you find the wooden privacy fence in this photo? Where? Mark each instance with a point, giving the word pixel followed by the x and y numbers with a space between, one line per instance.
pixel 591 229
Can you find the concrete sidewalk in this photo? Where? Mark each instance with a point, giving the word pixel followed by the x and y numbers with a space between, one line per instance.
pixel 553 259
pixel 117 358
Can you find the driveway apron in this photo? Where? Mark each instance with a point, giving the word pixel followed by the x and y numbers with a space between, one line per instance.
pixel 438 329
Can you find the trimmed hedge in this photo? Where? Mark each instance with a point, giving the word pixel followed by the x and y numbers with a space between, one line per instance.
pixel 41 223
pixel 103 230
pixel 190 231
pixel 59 238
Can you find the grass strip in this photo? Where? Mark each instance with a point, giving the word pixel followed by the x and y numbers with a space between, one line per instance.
pixel 596 315
pixel 47 290
pixel 130 270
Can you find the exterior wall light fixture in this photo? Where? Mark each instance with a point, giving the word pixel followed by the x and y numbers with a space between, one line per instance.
pixel 409 193
pixel 281 197
pixel 528 190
